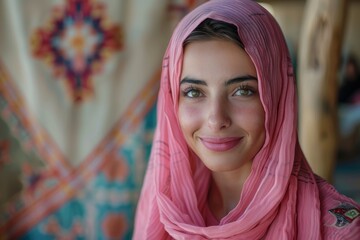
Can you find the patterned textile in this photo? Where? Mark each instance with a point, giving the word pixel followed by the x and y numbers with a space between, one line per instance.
pixel 78 85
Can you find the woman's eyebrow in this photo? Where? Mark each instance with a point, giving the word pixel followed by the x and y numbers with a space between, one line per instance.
pixel 192 81
pixel 229 82
pixel 240 79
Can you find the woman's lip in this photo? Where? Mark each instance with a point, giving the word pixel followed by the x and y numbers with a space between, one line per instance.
pixel 220 144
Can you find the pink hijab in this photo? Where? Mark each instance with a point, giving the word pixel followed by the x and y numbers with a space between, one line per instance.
pixel 281 198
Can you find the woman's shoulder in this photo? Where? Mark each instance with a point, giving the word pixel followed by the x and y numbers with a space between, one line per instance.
pixel 340 214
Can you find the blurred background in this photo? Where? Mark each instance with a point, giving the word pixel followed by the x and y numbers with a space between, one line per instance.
pixel 78 88
pixel 341 163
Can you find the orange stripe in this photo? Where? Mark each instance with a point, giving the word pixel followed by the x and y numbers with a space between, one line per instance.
pixel 38 136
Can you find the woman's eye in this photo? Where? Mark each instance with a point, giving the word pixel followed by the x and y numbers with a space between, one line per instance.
pixel 192 93
pixel 243 92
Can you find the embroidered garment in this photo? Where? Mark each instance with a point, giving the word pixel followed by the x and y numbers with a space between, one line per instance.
pixel 78 86
pixel 282 198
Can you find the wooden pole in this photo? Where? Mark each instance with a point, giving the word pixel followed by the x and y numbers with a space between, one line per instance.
pixel 319 56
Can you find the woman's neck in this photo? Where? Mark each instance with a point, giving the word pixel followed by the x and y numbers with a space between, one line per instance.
pixel 225 190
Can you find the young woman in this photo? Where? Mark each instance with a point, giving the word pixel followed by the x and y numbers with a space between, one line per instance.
pixel 226 162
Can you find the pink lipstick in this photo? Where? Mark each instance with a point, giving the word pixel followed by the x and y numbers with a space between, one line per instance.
pixel 220 144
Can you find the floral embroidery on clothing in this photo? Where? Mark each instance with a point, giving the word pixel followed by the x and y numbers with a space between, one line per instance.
pixel 345 214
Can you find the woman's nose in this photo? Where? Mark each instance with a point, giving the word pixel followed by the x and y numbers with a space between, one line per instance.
pixel 219 117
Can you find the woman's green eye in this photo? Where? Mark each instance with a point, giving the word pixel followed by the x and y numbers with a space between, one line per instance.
pixel 244 92
pixel 193 93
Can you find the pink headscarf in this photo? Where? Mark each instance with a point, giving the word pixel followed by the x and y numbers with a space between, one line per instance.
pixel 281 198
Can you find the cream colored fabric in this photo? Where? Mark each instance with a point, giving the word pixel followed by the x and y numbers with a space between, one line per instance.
pixel 145 30
pixel 78 86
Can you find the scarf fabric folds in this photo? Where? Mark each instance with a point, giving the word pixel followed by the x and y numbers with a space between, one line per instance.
pixel 282 198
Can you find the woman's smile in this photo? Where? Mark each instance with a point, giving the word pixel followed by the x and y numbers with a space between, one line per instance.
pixel 220 144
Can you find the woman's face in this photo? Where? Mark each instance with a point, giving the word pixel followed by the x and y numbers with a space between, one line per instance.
pixel 220 111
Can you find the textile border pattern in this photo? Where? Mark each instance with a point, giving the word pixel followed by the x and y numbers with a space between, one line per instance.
pixel 26 210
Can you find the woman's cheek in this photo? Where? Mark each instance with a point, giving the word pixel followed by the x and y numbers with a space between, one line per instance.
pixel 252 115
pixel 190 116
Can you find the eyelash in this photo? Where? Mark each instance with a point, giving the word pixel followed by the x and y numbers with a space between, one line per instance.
pixel 243 87
pixel 189 90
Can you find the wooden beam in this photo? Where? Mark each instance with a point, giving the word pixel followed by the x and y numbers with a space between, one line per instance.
pixel 319 56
